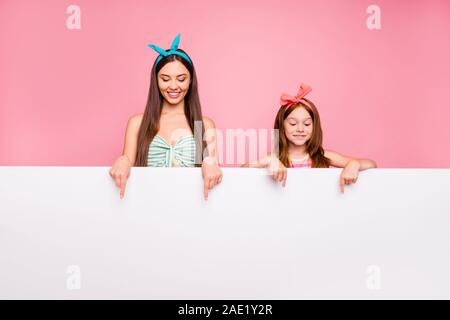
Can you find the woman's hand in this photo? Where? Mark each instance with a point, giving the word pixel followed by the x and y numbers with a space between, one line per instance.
pixel 120 172
pixel 212 175
pixel 349 174
pixel 277 170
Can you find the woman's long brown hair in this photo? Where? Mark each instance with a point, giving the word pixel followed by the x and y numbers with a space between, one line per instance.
pixel 152 114
pixel 313 146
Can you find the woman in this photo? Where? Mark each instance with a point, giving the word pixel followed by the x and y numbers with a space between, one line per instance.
pixel 170 131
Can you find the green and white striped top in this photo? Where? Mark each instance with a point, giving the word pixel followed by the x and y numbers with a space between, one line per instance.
pixel 163 154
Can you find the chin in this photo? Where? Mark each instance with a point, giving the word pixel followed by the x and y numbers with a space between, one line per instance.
pixel 299 143
pixel 172 101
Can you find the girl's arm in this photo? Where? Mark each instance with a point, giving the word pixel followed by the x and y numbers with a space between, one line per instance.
pixel 351 166
pixel 258 163
pixel 340 161
pixel 277 170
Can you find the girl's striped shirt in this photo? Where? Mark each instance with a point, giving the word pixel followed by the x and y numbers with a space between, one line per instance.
pixel 304 162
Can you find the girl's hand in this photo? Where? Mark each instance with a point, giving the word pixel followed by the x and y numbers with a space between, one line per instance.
pixel 120 172
pixel 277 170
pixel 212 175
pixel 350 173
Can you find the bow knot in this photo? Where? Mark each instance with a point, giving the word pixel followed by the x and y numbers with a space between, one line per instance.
pixel 173 50
pixel 287 100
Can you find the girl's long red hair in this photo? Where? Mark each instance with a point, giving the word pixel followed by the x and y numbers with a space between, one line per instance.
pixel 313 146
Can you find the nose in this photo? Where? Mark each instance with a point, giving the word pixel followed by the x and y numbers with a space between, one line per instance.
pixel 173 85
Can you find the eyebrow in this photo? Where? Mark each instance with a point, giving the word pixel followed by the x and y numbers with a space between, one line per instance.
pixel 291 118
pixel 166 75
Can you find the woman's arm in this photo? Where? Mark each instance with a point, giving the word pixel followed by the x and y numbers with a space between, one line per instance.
pixel 131 137
pixel 211 172
pixel 211 140
pixel 120 171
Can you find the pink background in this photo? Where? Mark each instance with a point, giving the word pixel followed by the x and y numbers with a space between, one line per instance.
pixel 66 95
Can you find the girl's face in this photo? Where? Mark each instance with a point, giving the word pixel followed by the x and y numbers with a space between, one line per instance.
pixel 298 126
pixel 173 82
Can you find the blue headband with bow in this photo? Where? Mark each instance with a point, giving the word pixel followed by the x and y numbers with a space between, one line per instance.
pixel 172 50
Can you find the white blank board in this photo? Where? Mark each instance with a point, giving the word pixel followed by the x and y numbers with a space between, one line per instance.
pixel 66 234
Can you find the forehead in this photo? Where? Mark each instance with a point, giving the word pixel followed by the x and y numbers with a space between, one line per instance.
pixel 174 68
pixel 299 114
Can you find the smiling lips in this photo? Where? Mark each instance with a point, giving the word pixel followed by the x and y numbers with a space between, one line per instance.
pixel 174 95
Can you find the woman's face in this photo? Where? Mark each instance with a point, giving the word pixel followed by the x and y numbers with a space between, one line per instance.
pixel 298 126
pixel 173 82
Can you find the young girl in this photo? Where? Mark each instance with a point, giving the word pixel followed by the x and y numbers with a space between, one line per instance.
pixel 300 143
pixel 170 131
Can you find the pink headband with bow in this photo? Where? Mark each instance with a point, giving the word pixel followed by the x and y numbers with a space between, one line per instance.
pixel 287 100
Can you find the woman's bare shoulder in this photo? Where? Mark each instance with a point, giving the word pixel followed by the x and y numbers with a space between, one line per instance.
pixel 209 123
pixel 135 120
